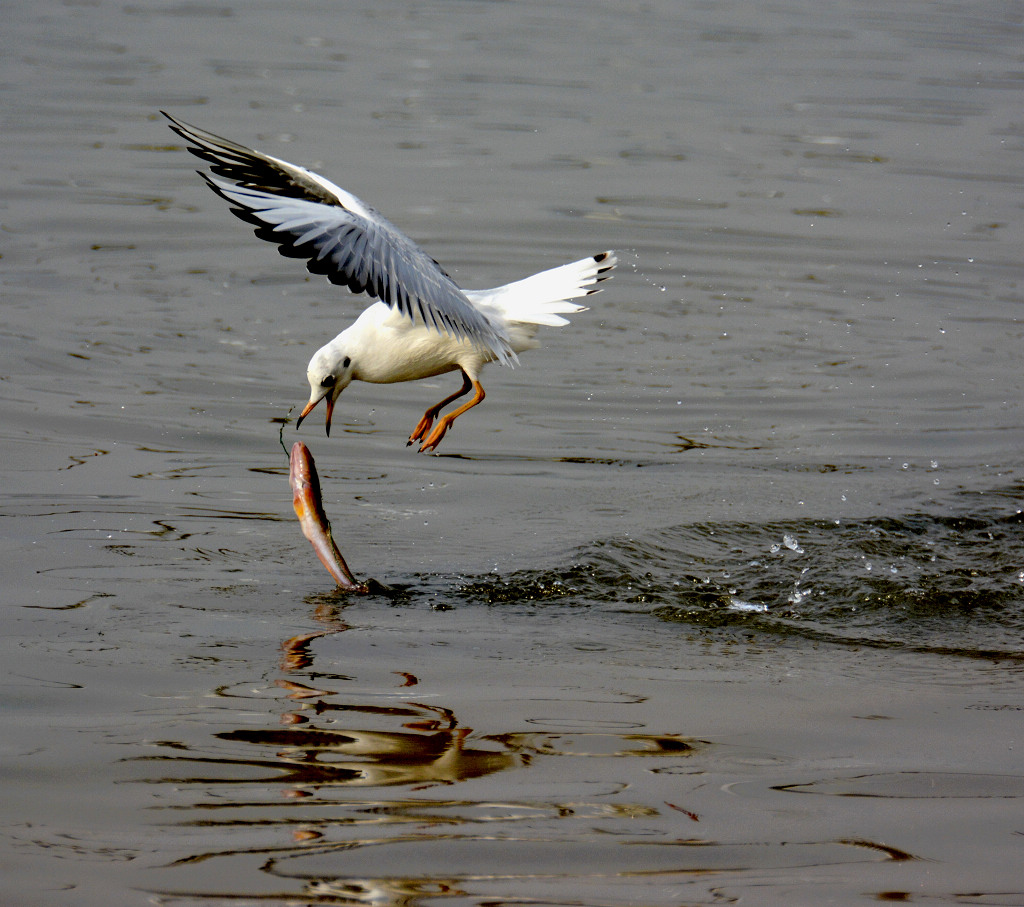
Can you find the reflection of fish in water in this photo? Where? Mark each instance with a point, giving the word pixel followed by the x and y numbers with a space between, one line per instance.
pixel 315 526
pixel 352 757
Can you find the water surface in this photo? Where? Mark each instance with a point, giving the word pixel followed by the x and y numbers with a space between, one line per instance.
pixel 718 597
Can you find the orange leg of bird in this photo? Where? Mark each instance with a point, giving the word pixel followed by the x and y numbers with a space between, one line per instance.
pixel 423 426
pixel 446 421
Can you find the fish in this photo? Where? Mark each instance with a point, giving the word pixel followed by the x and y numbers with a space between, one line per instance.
pixel 309 508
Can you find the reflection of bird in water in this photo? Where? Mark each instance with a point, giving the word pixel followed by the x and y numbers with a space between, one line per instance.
pixel 424 324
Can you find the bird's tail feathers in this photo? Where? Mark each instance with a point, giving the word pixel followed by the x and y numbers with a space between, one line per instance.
pixel 544 297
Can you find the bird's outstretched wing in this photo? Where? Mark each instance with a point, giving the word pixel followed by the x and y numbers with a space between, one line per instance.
pixel 340 237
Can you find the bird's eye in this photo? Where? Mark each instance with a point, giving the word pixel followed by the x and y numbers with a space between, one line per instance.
pixel 328 381
pixel 346 362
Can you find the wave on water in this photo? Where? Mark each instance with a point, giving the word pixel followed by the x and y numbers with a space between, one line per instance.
pixel 922 582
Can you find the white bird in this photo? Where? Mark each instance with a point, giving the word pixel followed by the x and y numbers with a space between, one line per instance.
pixel 424 324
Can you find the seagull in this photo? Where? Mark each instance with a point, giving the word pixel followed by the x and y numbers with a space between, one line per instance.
pixel 422 324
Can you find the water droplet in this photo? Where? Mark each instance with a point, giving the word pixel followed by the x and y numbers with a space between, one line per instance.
pixel 737 604
pixel 792 544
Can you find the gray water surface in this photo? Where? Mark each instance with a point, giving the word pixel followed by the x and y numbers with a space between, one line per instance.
pixel 718 597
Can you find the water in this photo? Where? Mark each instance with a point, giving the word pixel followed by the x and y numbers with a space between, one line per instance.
pixel 718 597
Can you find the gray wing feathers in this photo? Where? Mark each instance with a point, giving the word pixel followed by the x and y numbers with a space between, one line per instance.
pixel 340 237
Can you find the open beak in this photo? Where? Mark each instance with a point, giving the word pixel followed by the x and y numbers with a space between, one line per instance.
pixel 309 407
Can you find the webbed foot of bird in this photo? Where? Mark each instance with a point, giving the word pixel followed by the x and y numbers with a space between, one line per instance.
pixel 434 438
pixel 419 433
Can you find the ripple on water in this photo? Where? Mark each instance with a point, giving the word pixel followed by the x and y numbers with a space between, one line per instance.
pixel 948 584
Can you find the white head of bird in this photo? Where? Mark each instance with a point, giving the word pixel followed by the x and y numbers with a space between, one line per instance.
pixel 329 373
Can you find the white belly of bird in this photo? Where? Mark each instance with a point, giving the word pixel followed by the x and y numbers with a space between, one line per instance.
pixel 393 348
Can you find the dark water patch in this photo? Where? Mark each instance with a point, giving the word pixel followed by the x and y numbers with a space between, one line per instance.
pixel 915 786
pixel 930 583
